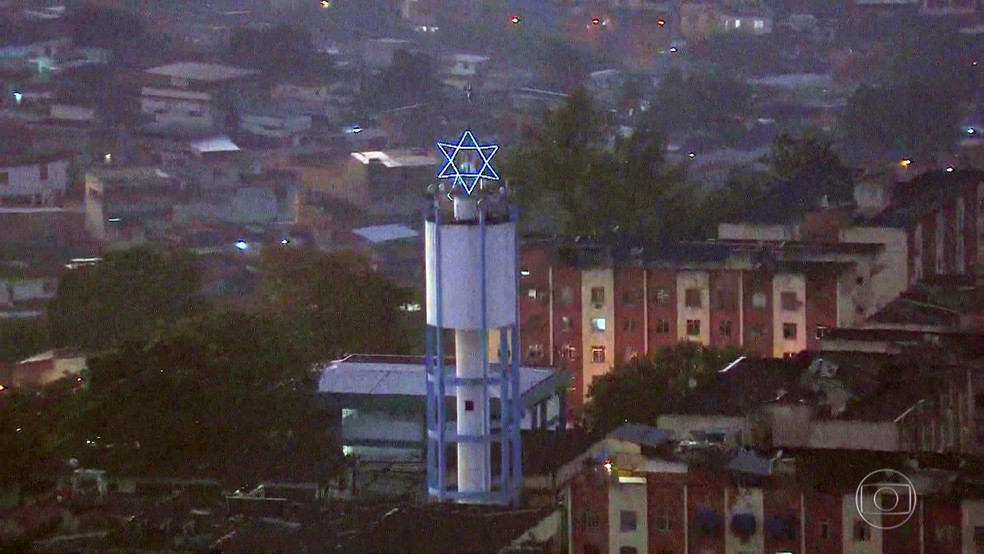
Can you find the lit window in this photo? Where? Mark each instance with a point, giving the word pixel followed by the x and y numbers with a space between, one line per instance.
pixel 598 295
pixel 628 521
pixel 598 324
pixel 759 24
pixel 726 328
pixel 692 298
pixel 598 354
pixel 759 300
pixel 822 331
pixel 532 293
pixel 535 351
pixel 693 327
pixel 789 331
pixel 737 24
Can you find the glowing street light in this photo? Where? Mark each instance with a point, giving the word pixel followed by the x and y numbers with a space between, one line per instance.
pixel 18 97
pixel 242 245
pixel 905 162
pixel 515 19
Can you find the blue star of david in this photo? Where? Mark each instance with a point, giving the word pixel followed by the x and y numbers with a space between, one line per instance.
pixel 461 162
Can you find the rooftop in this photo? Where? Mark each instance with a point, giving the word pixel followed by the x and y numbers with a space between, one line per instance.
pixel 128 175
pixel 196 71
pixel 404 376
pixel 404 157
pixel 385 233
pixel 214 145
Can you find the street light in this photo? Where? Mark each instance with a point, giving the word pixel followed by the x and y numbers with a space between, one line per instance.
pixel 18 96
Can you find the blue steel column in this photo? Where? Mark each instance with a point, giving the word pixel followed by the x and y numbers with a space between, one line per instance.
pixel 486 431
pixel 517 404
pixel 441 395
pixel 505 413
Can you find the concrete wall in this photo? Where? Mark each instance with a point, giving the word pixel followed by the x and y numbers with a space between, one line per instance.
pixel 850 517
pixel 796 284
pixel 590 279
pixel 889 276
pixel 26 181
pixel 694 280
pixel 747 231
pixel 629 497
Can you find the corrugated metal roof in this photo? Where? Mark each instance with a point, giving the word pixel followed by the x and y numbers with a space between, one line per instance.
pixel 403 379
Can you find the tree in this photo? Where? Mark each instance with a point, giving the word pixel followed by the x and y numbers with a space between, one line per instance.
pixel 20 338
pixel 104 27
pixel 279 52
pixel 128 293
pixel 410 79
pixel 600 183
pixel 649 386
pixel 810 162
pixel 918 120
pixel 230 395
pixel 336 302
pixel 700 102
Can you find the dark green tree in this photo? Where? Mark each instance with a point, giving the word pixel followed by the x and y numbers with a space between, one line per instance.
pixel 229 395
pixel 918 120
pixel 812 163
pixel 598 182
pixel 410 79
pixel 20 338
pixel 336 302
pixel 128 293
pixel 707 102
pixel 649 386
pixel 279 52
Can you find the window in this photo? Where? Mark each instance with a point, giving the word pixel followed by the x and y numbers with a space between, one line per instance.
pixel 788 301
pixel 692 298
pixel 663 327
pixel 726 328
pixel 756 332
pixel 789 331
pixel 598 354
pixel 598 324
pixel 627 519
pixel 758 300
pixel 629 297
pixel 825 532
pixel 663 522
pixel 628 550
pixel 737 24
pixel 566 295
pixel 532 293
pixel 822 331
pixel 568 352
pixel 947 533
pixel 662 295
pixel 469 406
pixel 725 299
pixel 759 24
pixel 630 325
pixel 862 532
pixel 43 168
pixel 566 325
pixel 598 296
pixel 693 327
pixel 535 351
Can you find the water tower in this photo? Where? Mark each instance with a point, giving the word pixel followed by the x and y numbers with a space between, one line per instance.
pixel 471 253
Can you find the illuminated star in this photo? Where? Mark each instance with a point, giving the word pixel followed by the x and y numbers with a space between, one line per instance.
pixel 462 159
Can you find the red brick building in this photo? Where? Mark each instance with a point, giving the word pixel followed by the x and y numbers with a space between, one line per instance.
pixel 585 307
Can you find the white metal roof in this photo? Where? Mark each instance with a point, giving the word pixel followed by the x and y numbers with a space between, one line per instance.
pixel 404 157
pixel 196 71
pixel 384 233
pixel 214 144
pixel 399 379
